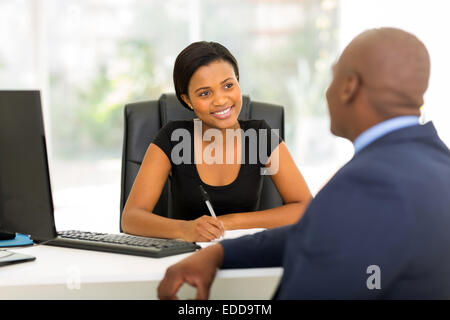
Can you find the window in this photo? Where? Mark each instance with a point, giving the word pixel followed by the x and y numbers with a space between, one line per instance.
pixel 90 58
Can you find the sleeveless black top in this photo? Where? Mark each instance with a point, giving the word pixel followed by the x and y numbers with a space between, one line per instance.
pixel 241 195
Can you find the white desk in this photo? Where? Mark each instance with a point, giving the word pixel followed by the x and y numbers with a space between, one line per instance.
pixel 64 273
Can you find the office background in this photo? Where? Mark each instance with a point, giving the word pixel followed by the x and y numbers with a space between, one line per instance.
pixel 91 57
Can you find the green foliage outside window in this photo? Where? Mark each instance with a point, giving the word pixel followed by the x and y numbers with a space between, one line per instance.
pixel 285 64
pixel 96 109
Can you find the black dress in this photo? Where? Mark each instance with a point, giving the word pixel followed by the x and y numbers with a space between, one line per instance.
pixel 241 195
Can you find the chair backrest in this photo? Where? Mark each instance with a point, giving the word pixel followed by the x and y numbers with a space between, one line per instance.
pixel 144 119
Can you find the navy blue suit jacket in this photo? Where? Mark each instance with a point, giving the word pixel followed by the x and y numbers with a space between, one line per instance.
pixel 389 207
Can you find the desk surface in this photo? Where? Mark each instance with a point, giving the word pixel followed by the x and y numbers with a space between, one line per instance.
pixel 65 273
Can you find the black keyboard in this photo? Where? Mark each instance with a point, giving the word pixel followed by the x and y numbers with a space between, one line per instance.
pixel 122 243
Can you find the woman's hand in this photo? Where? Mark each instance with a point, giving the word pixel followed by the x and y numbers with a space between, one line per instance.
pixel 203 229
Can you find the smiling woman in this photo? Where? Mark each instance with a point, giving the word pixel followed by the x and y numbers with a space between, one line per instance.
pixel 206 78
pixel 217 101
pixel 213 88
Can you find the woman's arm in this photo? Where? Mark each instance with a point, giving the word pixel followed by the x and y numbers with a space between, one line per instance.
pixel 137 216
pixel 292 188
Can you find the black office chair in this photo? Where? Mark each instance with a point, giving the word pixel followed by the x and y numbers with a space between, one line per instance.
pixel 144 119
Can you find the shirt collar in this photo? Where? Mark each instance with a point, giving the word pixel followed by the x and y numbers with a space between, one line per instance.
pixel 381 129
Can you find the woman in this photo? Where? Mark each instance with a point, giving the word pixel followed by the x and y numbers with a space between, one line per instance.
pixel 206 79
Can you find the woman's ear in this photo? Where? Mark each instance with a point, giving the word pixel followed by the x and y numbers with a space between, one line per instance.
pixel 187 101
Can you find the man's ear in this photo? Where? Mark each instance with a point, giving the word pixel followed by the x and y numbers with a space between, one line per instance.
pixel 351 87
pixel 187 101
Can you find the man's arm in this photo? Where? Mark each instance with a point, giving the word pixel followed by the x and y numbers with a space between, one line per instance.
pixel 263 249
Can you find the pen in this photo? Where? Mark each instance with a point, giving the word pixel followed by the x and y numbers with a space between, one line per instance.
pixel 207 201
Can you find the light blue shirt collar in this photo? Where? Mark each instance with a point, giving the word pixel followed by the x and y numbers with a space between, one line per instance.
pixel 383 128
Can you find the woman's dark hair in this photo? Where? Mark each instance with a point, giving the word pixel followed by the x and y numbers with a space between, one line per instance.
pixel 194 56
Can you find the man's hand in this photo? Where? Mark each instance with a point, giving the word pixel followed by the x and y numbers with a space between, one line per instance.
pixel 198 270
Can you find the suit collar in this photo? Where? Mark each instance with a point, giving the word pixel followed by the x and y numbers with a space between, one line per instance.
pixel 379 130
pixel 412 133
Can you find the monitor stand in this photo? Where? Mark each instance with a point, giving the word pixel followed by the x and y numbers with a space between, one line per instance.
pixel 9 257
pixel 7 236
pixel 14 240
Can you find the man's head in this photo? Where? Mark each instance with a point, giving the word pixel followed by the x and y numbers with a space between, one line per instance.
pixel 381 74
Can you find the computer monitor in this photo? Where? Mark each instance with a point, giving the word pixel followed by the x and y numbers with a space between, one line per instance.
pixel 26 204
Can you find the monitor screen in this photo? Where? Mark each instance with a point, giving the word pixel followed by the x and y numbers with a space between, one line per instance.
pixel 26 204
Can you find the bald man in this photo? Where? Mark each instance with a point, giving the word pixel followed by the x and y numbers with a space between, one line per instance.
pixel 380 228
